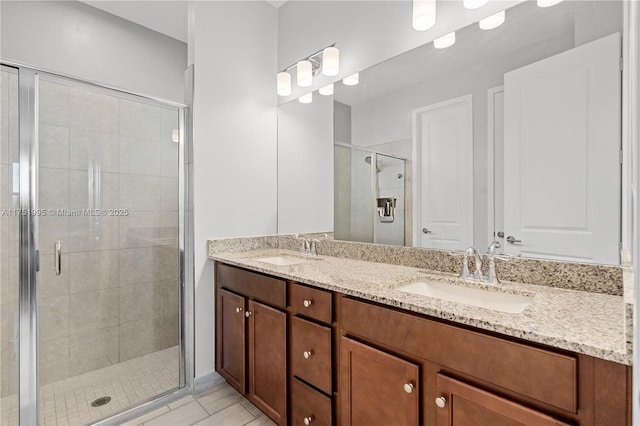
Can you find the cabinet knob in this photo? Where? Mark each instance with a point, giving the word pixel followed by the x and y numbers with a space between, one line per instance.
pixel 247 314
pixel 307 354
pixel 441 401
pixel 408 387
pixel 238 310
pixel 307 420
pixel 307 303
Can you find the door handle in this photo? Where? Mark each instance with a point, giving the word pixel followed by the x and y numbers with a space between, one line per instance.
pixel 512 240
pixel 426 231
pixel 57 257
pixel 500 234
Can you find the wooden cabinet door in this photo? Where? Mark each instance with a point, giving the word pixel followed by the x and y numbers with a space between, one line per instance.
pixel 268 360
pixel 466 405
pixel 372 387
pixel 231 342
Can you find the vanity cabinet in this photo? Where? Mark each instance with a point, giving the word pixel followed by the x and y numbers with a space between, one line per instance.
pixel 472 377
pixel 377 388
pixel 308 356
pixel 251 344
pixel 459 404
pixel 231 354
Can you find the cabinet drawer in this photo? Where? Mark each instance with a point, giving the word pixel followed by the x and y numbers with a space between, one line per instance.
pixel 311 302
pixel 537 373
pixel 311 353
pixel 266 289
pixel 308 403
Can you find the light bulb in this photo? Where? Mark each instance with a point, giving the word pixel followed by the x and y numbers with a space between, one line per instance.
pixel 304 77
pixel 493 21
pixel 284 84
pixel 326 90
pixel 474 4
pixel 424 14
pixel 445 41
pixel 306 99
pixel 351 80
pixel 548 3
pixel 330 61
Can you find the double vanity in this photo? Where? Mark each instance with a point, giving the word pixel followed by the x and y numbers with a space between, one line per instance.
pixel 340 339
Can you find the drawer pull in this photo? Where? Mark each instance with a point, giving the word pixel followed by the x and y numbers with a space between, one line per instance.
pixel 307 302
pixel 408 387
pixel 441 401
pixel 308 420
pixel 238 310
pixel 307 354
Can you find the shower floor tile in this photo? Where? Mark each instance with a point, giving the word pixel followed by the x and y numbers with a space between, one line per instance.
pixel 68 402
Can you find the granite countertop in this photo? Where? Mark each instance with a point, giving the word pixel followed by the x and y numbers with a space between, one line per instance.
pixel 579 321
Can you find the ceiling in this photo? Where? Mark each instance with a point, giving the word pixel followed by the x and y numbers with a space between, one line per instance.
pixel 166 17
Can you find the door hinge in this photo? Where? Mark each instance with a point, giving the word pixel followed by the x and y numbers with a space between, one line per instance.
pixel 621 63
pixel 621 157
pixel 37 260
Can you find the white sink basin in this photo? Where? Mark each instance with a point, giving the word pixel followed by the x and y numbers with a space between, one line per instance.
pixel 494 300
pixel 281 260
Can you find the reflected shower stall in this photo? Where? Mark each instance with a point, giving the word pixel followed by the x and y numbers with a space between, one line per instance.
pixel 370 202
pixel 91 249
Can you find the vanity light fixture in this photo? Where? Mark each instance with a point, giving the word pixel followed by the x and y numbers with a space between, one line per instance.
pixel 327 59
pixel 493 21
pixel 424 14
pixel 548 3
pixel 306 99
pixel 326 90
pixel 284 83
pixel 330 61
pixel 352 79
pixel 474 4
pixel 304 73
pixel 445 41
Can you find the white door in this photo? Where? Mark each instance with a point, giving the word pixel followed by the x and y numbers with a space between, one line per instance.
pixel 443 176
pixel 562 164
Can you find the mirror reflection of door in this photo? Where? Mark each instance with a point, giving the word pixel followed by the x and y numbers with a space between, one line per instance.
pixel 443 149
pixel 562 155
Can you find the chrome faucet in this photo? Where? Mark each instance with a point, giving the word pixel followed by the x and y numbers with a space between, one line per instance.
pixel 477 260
pixel 477 275
pixel 305 246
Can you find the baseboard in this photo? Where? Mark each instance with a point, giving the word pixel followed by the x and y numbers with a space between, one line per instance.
pixel 207 381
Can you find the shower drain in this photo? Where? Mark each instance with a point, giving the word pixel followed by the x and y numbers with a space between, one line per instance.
pixel 103 400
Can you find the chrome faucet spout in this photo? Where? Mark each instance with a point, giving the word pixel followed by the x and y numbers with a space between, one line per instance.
pixel 477 260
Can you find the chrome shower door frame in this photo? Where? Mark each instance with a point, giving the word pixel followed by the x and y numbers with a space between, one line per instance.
pixel 28 249
pixel 28 253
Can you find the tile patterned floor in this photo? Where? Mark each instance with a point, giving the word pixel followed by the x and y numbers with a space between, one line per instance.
pixel 68 402
pixel 218 406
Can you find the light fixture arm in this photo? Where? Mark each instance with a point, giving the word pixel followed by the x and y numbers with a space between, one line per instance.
pixel 313 58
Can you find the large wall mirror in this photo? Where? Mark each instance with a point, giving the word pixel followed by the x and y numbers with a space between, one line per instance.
pixel 510 135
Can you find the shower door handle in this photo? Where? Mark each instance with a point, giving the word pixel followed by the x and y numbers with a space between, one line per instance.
pixel 57 265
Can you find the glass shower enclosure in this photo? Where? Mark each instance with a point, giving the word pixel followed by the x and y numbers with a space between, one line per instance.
pixel 369 190
pixel 91 249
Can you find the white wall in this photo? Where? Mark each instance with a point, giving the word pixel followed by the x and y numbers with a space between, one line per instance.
pixel 75 39
pixel 366 32
pixel 305 166
pixel 235 147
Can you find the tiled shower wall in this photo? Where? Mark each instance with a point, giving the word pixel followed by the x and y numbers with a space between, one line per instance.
pixel 117 295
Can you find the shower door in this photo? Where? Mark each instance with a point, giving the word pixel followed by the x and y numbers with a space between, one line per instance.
pixel 99 261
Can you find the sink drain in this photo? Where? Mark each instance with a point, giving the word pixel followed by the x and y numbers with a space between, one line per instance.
pixel 103 400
